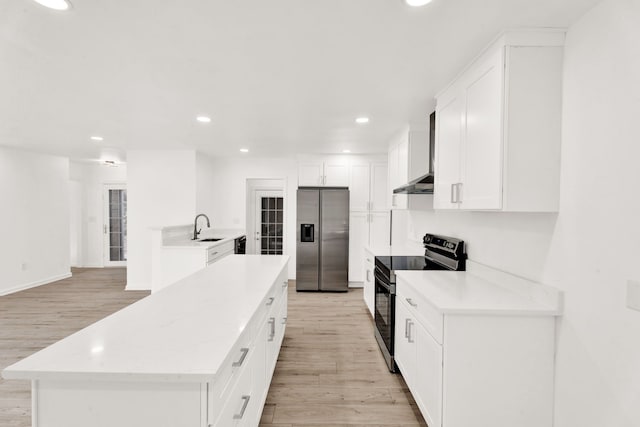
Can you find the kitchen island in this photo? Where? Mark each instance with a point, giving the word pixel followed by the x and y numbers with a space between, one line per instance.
pixel 200 352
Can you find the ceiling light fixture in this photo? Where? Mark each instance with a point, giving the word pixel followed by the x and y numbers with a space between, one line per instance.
pixel 203 119
pixel 244 150
pixel 362 120
pixel 417 3
pixel 55 4
pixel 97 138
pixel 346 151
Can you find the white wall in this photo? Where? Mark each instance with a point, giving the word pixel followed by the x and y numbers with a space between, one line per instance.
pixel 161 191
pixel 230 196
pixel 34 219
pixel 205 182
pixel 590 249
pixel 87 210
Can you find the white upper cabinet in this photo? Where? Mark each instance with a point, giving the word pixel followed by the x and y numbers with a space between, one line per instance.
pixel 408 159
pixel 329 172
pixel 498 128
pixel 368 186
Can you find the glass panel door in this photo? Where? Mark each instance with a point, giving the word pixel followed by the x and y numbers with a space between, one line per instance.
pixel 271 219
pixel 115 228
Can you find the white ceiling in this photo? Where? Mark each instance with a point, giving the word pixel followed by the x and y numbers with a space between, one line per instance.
pixel 276 76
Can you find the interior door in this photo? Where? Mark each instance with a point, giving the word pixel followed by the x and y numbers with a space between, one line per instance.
pixel 115 225
pixel 269 226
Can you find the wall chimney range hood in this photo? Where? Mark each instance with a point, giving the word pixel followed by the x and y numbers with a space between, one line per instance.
pixel 424 183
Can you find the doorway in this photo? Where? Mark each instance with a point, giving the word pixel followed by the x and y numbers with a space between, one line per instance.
pixel 266 216
pixel 115 225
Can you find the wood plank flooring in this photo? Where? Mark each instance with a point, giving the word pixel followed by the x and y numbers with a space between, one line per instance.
pixel 36 318
pixel 330 371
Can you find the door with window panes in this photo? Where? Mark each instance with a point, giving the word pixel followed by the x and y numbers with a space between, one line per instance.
pixel 115 226
pixel 270 220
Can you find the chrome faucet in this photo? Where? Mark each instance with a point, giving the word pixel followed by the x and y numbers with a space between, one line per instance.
pixel 195 225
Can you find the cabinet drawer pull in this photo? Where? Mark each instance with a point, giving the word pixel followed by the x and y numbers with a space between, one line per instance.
pixel 284 320
pixel 410 323
pixel 244 408
pixel 271 300
pixel 453 186
pixel 272 324
pixel 368 259
pixel 368 275
pixel 411 303
pixel 459 193
pixel 240 361
pixel 406 328
pixel 285 284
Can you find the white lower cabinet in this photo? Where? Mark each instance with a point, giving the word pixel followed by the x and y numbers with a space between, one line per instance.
pixel 474 369
pixel 368 291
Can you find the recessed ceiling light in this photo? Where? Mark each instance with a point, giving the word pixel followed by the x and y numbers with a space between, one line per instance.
pixel 55 4
pixel 244 150
pixel 362 120
pixel 417 3
pixel 203 119
pixel 97 138
pixel 346 151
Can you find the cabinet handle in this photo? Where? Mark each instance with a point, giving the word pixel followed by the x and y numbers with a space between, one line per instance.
pixel 368 275
pixel 284 320
pixel 271 300
pixel 285 284
pixel 244 408
pixel 411 303
pixel 393 200
pixel 240 361
pixel 406 328
pixel 368 259
pixel 409 332
pixel 453 186
pixel 272 323
pixel 459 198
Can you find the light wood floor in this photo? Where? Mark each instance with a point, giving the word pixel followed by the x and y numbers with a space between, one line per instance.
pixel 330 371
pixel 36 318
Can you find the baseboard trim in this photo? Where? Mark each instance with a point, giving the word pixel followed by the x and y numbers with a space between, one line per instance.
pixel 34 284
pixel 356 285
pixel 137 287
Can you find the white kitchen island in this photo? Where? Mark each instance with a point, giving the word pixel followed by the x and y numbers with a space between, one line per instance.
pixel 198 353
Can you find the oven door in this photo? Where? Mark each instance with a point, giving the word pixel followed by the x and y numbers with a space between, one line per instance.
pixel 385 306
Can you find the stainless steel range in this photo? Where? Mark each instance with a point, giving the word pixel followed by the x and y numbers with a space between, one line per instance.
pixel 441 253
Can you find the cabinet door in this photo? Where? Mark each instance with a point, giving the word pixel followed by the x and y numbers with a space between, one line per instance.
pixel 379 188
pixel 482 146
pixel 403 161
pixel 449 120
pixel 359 187
pixel 379 233
pixel 310 174
pixel 427 387
pixel 358 239
pixel 336 174
pixel 405 351
pixel 368 291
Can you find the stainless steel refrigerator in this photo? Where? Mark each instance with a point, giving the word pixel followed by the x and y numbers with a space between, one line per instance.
pixel 322 239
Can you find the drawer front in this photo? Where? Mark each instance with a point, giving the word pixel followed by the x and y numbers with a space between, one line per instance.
pixel 240 403
pixel 424 312
pixel 232 368
pixel 219 251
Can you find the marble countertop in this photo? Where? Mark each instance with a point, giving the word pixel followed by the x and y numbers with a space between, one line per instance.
pixel 466 292
pixel 415 250
pixel 182 242
pixel 180 333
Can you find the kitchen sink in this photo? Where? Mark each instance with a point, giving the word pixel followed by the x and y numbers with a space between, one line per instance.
pixel 209 240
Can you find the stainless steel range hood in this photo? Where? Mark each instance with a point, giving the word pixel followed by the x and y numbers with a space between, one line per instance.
pixel 423 184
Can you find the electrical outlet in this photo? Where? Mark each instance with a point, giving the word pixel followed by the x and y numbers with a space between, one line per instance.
pixel 633 294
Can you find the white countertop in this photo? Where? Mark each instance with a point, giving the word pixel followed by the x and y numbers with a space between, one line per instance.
pixel 465 292
pixel 395 250
pixel 182 242
pixel 183 332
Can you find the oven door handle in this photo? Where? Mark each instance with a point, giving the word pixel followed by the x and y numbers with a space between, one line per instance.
pixel 380 279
